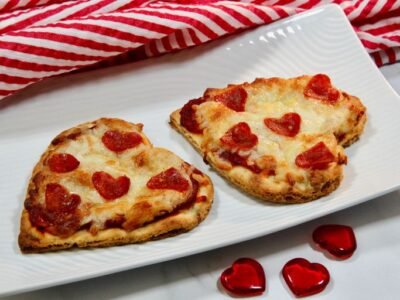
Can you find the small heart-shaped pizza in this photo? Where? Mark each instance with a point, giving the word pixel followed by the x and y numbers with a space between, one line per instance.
pixel 102 183
pixel 279 139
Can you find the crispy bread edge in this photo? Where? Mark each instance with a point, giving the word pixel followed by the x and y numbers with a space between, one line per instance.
pixel 358 129
pixel 170 226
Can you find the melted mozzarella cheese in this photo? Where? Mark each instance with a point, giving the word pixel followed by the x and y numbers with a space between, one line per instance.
pixel 318 123
pixel 139 164
pixel 315 116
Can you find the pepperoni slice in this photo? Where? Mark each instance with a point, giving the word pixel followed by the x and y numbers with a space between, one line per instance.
pixel 317 157
pixel 38 218
pixel 238 160
pixel 320 87
pixel 170 179
pixel 58 199
pixel 201 199
pixel 188 116
pixel 62 163
pixel 240 136
pixel 60 215
pixel 234 98
pixel 54 222
pixel 195 190
pixel 287 125
pixel 62 224
pixel 109 187
pixel 118 141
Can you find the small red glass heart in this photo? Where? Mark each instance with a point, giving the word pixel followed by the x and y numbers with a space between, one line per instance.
pixel 338 240
pixel 246 277
pixel 305 278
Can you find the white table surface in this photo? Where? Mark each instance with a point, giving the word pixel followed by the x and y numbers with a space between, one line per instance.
pixel 372 273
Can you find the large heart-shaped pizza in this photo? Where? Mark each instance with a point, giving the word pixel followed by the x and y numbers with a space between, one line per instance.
pixel 279 139
pixel 102 183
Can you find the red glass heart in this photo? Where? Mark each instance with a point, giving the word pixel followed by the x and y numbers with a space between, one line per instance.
pixel 246 277
pixel 305 278
pixel 338 240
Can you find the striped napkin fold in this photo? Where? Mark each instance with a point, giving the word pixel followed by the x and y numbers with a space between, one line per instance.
pixel 44 38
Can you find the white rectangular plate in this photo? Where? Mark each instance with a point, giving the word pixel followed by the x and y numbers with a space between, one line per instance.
pixel 319 41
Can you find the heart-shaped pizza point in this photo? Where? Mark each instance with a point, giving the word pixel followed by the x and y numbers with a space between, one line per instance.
pixel 110 188
pixel 338 240
pixel 287 125
pixel 305 278
pixel 118 141
pixel 245 277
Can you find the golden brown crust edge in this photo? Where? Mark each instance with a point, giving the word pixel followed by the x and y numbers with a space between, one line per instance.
pixel 360 111
pixel 287 197
pixel 31 240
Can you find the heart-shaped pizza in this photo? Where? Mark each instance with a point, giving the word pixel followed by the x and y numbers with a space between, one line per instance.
pixel 279 139
pixel 102 183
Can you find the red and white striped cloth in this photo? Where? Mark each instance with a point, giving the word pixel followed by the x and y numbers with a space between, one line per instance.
pixel 43 38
